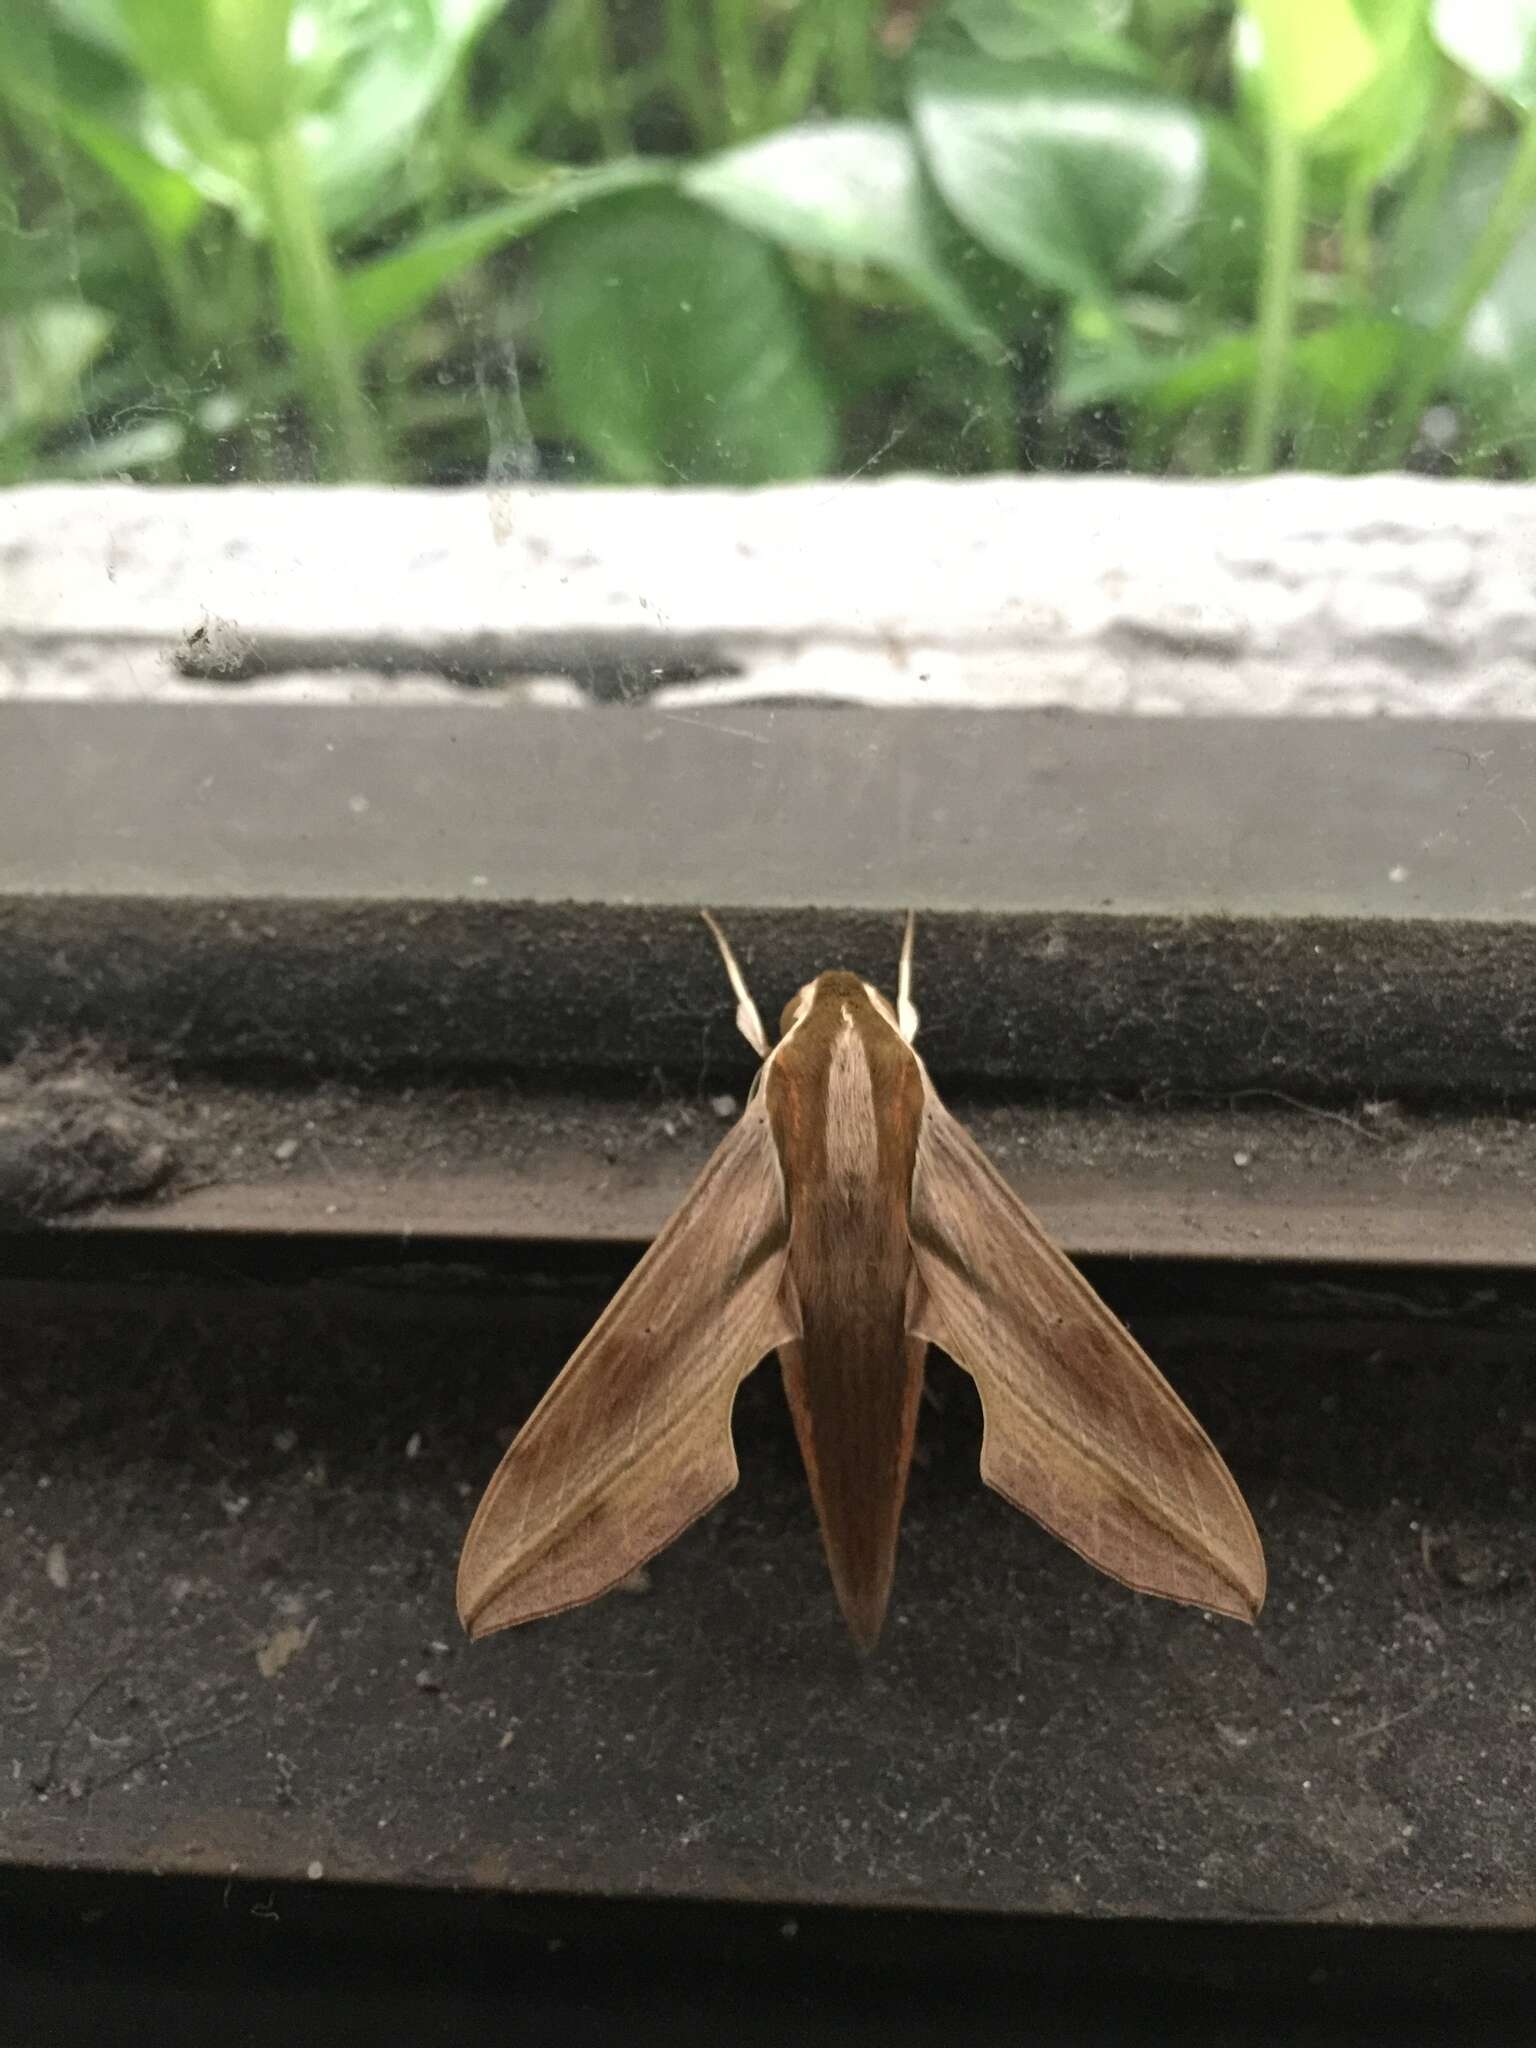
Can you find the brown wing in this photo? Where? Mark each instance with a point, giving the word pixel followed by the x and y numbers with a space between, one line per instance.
pixel 633 1440
pixel 1082 1431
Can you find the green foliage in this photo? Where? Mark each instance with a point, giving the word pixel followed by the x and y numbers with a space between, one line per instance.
pixel 676 347
pixel 737 241
pixel 1313 57
pixel 1079 178
pixel 850 193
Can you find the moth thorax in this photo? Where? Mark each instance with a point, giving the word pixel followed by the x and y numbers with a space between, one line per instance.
pixel 796 1008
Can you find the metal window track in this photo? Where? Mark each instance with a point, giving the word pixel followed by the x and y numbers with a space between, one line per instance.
pixel 1304 954
pixel 399 1028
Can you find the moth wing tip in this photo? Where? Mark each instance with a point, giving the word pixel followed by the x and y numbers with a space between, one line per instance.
pixel 478 1617
pixel 1240 1609
pixel 1248 1594
pixel 1254 1583
pixel 472 1596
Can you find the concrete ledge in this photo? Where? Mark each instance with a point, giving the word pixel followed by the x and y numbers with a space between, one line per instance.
pixel 1283 596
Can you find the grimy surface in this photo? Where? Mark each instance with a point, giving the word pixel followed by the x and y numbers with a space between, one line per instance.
pixel 796 807
pixel 1145 906
pixel 231 1511
pixel 1255 1179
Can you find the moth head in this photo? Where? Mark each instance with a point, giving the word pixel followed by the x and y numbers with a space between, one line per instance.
pixel 836 987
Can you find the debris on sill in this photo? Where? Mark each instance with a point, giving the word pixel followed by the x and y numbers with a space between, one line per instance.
pixel 71 1138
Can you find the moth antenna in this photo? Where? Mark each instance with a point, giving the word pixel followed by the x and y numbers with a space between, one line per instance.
pixel 748 1022
pixel 906 1012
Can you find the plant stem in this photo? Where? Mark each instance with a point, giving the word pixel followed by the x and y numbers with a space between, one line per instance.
pixel 734 50
pixel 545 84
pixel 688 70
pixel 342 424
pixel 1511 211
pixel 800 68
pixel 1356 252
pixel 998 417
pixel 1284 193
pixel 600 86
pixel 239 318
pixel 852 30
pixel 188 312
pixel 447 135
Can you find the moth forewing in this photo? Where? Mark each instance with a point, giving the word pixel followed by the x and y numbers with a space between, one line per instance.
pixel 1081 1430
pixel 633 1440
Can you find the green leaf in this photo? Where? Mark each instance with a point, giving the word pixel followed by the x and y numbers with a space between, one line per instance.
pixel 245 69
pixel 1339 369
pixel 95 21
pixel 1370 131
pixel 1077 177
pixel 1494 366
pixel 359 79
pixel 1165 24
pixel 69 84
pixel 1347 361
pixel 676 348
pixel 371 73
pixel 168 39
pixel 148 444
pixel 1381 127
pixel 169 203
pixel 1339 376
pixel 1025 31
pixel 1495 40
pixel 1217 262
pixel 1343 367
pixel 44 353
pixel 847 192
pixel 1312 56
pixel 1335 375
pixel 50 62
pixel 1097 364
pixel 381 294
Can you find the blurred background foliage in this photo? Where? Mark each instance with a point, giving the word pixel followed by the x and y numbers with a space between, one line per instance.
pixel 745 241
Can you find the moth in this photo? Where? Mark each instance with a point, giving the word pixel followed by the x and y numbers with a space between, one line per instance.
pixel 847 1222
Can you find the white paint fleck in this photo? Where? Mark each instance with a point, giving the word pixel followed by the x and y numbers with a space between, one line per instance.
pixel 274 1653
